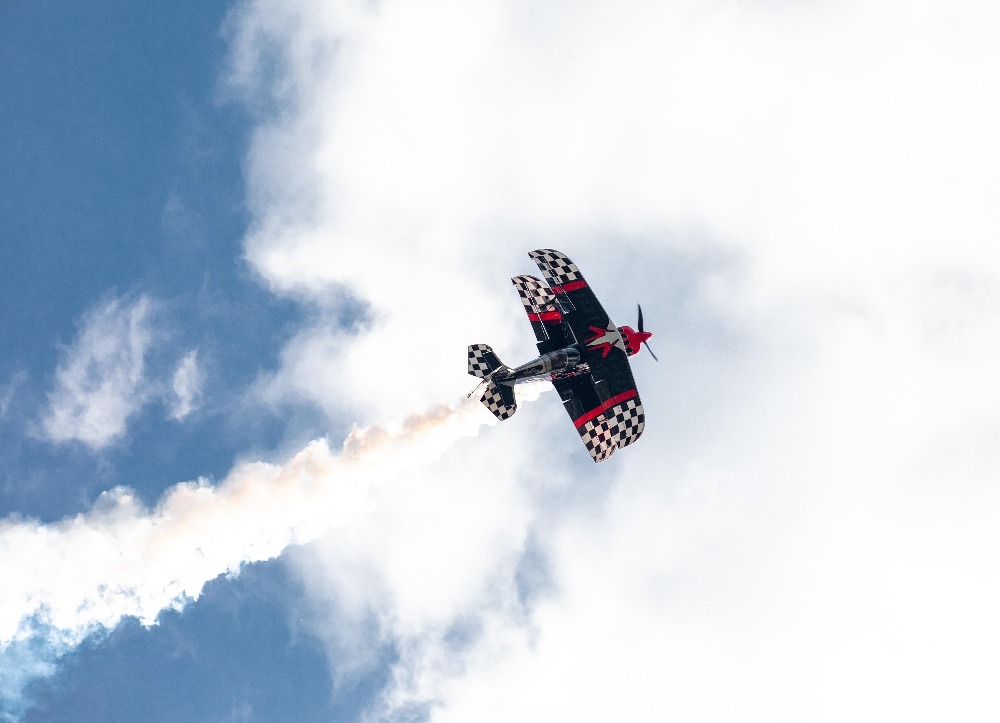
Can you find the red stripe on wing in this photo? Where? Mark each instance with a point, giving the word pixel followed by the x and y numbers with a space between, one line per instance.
pixel 598 411
pixel 553 316
pixel 571 286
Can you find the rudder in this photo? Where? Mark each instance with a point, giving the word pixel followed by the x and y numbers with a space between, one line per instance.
pixel 482 360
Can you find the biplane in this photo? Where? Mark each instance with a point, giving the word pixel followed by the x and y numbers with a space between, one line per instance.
pixel 581 352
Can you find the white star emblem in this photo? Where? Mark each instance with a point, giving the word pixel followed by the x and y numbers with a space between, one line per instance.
pixel 606 338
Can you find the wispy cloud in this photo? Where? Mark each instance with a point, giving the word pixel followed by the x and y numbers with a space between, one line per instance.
pixel 104 378
pixel 187 386
pixel 100 382
pixel 8 391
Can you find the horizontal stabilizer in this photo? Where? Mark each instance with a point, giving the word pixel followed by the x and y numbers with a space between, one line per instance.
pixel 499 399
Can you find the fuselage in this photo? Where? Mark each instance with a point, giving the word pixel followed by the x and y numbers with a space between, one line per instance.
pixel 565 362
pixel 559 363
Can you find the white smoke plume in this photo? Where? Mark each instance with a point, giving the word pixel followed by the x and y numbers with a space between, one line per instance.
pixel 65 580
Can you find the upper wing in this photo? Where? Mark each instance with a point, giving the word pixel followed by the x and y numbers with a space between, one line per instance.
pixel 603 426
pixel 543 312
pixel 581 309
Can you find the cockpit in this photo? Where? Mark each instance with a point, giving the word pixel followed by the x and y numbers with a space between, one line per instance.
pixel 563 359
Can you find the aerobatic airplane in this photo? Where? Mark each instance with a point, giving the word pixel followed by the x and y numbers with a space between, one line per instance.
pixel 581 351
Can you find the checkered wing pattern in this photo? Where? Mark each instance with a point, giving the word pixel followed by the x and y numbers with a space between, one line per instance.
pixel 556 267
pixel 479 360
pixel 535 295
pixel 617 427
pixel 494 400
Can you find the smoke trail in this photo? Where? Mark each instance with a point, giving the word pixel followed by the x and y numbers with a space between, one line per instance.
pixel 65 580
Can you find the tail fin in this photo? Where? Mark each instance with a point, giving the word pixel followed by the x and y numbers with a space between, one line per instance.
pixel 498 398
pixel 482 361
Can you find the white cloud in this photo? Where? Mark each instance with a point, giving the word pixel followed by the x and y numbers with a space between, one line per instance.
pixel 100 382
pixel 803 530
pixel 187 386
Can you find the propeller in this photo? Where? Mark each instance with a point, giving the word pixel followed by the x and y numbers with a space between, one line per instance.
pixel 640 331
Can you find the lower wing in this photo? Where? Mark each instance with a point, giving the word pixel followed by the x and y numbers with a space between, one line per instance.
pixel 603 425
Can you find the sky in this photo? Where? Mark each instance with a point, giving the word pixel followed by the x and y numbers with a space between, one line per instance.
pixel 243 249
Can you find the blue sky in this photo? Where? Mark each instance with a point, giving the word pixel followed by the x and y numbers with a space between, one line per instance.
pixel 243 247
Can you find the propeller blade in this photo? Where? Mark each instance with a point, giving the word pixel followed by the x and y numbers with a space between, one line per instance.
pixel 640 317
pixel 651 352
